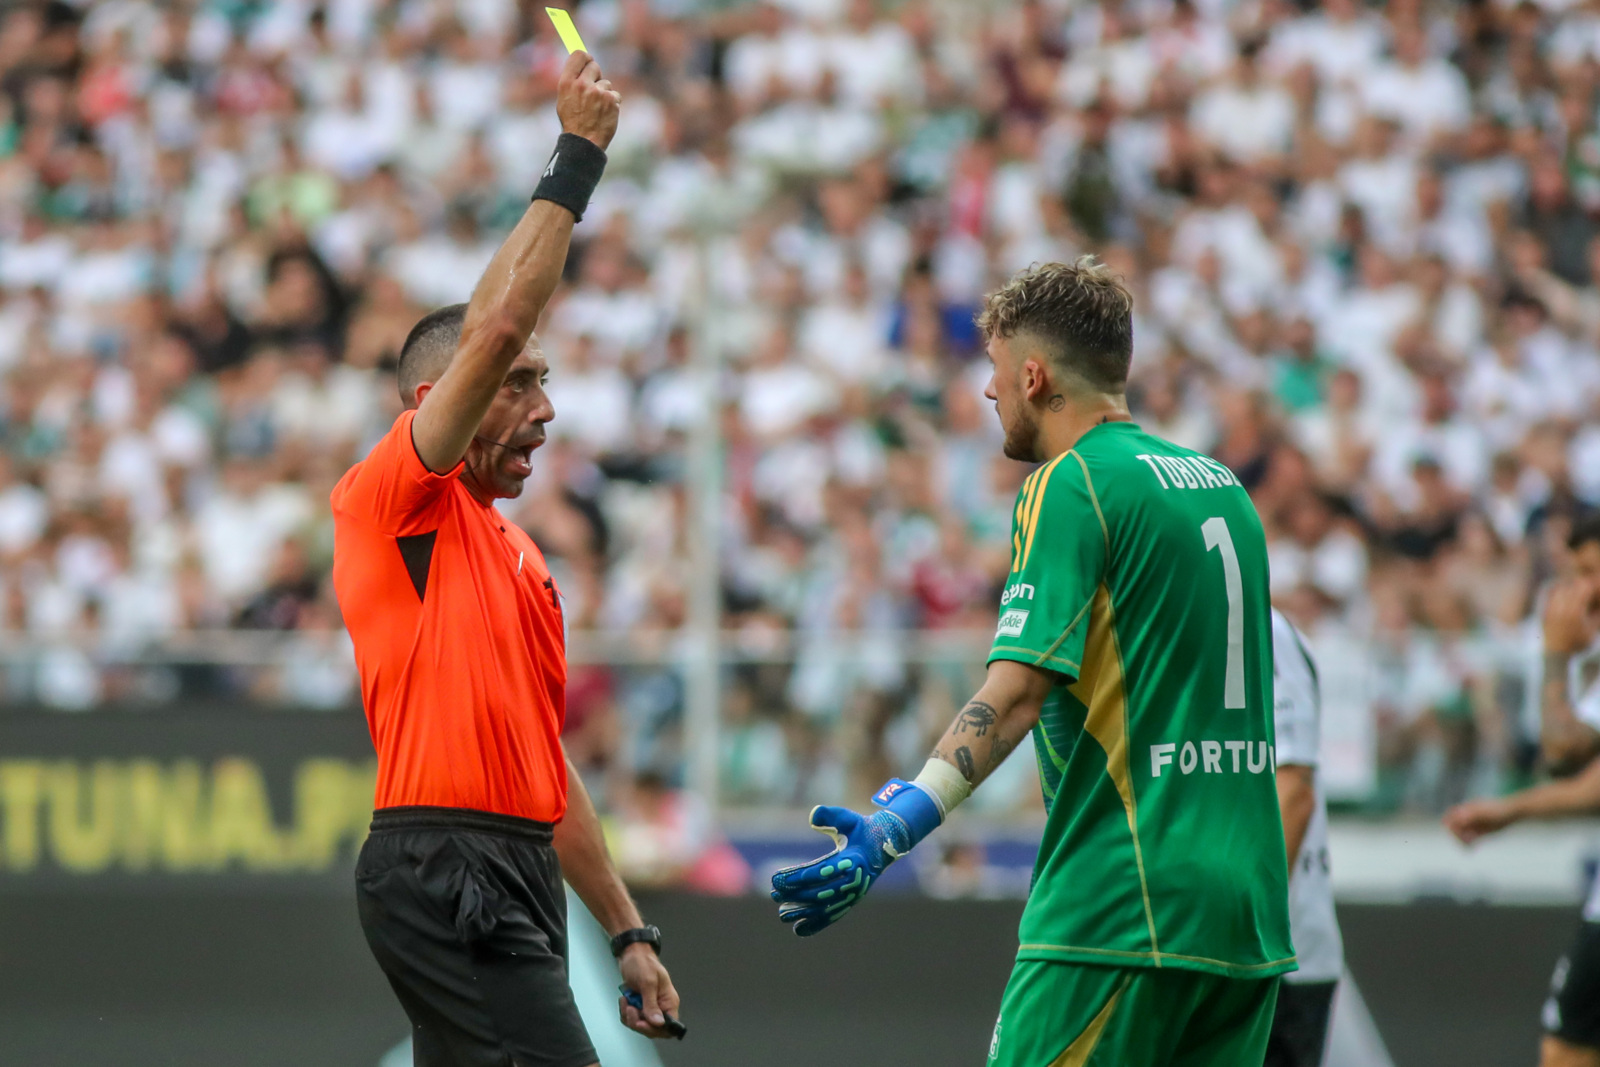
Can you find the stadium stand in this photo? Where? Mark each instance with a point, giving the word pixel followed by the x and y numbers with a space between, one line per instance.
pixel 1362 243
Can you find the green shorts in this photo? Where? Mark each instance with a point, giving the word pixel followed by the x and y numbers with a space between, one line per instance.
pixel 1076 1015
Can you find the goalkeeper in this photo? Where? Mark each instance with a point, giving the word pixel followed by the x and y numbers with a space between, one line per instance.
pixel 1135 644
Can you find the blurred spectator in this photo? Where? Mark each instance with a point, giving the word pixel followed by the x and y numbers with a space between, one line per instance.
pixel 1364 248
pixel 291 588
pixel 664 837
pixel 964 873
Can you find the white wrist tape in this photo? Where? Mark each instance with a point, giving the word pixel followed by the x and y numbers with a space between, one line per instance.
pixel 944 783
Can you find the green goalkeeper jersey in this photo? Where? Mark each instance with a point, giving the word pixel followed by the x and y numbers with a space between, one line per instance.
pixel 1139 577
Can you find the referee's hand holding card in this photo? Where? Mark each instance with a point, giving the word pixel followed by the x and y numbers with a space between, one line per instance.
pixel 586 103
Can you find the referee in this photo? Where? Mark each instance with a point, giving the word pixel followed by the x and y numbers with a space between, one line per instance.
pixel 459 639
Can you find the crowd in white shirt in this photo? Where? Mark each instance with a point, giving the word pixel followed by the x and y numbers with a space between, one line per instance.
pixel 1361 241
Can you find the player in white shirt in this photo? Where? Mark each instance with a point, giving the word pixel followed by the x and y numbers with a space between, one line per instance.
pixel 1569 717
pixel 1305 997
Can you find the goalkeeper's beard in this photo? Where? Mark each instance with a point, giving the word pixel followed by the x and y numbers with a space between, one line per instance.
pixel 1022 436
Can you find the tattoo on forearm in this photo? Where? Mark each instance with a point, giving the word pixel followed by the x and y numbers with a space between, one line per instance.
pixel 998 752
pixel 977 716
pixel 964 763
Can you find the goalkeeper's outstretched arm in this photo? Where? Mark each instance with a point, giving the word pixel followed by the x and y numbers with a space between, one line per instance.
pixel 995 720
pixel 812 896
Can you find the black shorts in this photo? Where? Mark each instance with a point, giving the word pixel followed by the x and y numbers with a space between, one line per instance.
pixel 1300 1024
pixel 466 914
pixel 1573 1011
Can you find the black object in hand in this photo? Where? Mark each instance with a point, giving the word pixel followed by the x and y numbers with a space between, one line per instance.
pixel 673 1026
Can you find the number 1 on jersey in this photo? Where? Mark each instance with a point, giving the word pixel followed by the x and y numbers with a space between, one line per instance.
pixel 1217 536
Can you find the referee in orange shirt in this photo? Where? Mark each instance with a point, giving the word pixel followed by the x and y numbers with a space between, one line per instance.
pixel 459 639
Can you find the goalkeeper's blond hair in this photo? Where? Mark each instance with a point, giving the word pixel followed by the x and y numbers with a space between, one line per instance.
pixel 1080 314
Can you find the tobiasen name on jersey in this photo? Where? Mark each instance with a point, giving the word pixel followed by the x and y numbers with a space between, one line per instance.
pixel 1189 472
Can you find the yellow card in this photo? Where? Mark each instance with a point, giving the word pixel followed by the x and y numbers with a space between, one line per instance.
pixel 568 32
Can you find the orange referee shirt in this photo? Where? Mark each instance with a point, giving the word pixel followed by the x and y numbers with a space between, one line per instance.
pixel 458 636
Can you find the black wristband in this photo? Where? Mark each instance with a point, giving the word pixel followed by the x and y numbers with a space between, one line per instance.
pixel 648 934
pixel 572 173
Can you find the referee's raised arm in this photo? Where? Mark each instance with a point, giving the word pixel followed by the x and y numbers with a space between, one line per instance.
pixel 509 298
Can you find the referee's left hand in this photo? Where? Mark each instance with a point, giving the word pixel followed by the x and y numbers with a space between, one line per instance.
pixel 642 972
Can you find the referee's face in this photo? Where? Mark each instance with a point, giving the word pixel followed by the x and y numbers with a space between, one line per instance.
pixel 500 457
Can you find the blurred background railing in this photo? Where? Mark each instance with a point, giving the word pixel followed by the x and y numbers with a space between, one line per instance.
pixel 1412 720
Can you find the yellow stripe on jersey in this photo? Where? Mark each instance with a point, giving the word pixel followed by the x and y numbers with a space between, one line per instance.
pixel 1101 688
pixel 1019 519
pixel 1038 503
pixel 1077 1054
pixel 1029 490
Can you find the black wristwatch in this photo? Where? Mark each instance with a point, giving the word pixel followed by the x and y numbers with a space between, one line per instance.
pixel 648 934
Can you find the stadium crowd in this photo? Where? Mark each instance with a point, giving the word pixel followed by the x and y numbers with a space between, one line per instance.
pixel 1362 243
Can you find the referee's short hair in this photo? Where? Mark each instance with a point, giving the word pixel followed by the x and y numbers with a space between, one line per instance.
pixel 428 348
pixel 1080 313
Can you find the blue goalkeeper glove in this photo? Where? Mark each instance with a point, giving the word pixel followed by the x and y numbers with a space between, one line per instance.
pixel 815 895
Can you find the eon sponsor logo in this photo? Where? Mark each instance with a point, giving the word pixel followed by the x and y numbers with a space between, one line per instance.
pixel 1016 591
pixel 1215 757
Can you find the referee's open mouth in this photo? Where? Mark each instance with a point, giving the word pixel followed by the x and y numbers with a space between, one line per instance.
pixel 518 457
pixel 507 464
